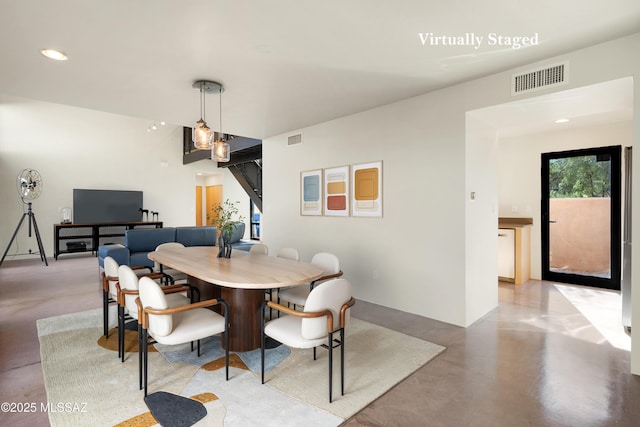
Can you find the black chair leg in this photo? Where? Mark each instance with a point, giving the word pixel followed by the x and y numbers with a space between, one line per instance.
pixel 142 343
pixel 226 355
pixel 198 348
pixel 145 359
pixel 261 343
pixel 330 366
pixel 342 361
pixel 105 313
pixel 121 333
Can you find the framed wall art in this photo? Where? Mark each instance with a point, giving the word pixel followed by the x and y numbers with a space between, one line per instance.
pixel 366 196
pixel 311 192
pixel 336 191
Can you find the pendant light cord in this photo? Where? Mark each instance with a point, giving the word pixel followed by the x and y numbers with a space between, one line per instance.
pixel 202 106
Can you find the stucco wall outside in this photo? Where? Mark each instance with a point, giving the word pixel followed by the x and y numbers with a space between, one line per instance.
pixel 579 238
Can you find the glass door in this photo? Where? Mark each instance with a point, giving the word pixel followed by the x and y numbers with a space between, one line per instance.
pixel 256 219
pixel 581 217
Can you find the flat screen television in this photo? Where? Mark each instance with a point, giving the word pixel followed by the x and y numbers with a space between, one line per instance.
pixel 105 206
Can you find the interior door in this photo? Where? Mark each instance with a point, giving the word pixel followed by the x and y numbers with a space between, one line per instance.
pixel 581 205
pixel 213 194
pixel 198 205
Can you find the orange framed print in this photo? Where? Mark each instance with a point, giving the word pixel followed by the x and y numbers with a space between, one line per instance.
pixel 311 192
pixel 336 191
pixel 366 180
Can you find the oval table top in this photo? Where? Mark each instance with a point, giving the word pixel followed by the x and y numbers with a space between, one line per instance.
pixel 243 270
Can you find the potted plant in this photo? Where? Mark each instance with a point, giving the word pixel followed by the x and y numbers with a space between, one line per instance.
pixel 223 218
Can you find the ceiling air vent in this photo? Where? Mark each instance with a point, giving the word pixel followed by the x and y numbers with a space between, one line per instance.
pixel 530 81
pixel 295 139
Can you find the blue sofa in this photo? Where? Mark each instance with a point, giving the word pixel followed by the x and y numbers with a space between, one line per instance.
pixel 138 243
pixel 236 238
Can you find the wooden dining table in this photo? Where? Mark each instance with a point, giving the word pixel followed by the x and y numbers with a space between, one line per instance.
pixel 240 280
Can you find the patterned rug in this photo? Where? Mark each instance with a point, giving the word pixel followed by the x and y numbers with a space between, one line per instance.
pixel 86 380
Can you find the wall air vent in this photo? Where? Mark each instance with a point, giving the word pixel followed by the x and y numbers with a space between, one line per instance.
pixel 541 78
pixel 295 139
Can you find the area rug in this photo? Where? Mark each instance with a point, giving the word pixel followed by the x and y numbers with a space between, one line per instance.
pixel 87 385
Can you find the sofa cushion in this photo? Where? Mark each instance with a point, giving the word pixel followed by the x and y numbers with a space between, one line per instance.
pixel 197 236
pixel 141 259
pixel 147 240
pixel 116 251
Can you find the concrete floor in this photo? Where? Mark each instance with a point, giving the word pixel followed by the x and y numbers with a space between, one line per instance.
pixel 533 361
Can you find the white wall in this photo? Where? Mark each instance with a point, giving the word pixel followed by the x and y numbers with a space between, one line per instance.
pixel 78 148
pixel 481 166
pixel 519 170
pixel 425 256
pixel 391 260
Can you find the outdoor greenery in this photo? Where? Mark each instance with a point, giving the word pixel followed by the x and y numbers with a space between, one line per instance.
pixel 225 217
pixel 575 177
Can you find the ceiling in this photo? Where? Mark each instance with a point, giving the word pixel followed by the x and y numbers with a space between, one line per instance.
pixel 284 64
pixel 605 102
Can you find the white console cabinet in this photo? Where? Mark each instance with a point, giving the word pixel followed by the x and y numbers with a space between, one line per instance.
pixel 507 254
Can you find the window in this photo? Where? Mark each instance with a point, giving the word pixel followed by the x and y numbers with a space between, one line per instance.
pixel 256 217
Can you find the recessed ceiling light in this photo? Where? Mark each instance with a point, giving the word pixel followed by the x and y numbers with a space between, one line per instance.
pixel 54 54
pixel 562 120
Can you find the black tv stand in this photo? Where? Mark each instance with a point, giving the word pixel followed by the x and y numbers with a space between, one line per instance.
pixel 75 238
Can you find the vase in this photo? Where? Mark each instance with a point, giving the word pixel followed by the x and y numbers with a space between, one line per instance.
pixel 227 252
pixel 221 247
pixel 224 246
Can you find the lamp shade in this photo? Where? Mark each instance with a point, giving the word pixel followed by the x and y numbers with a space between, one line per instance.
pixel 220 151
pixel 202 136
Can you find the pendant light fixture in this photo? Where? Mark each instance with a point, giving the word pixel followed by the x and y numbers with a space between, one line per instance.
pixel 202 135
pixel 220 151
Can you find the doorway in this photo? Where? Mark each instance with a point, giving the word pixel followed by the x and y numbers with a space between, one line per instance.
pixel 212 198
pixel 581 217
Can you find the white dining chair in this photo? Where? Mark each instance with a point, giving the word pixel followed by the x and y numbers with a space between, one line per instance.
pixel 174 275
pixel 325 314
pixel 288 253
pixel 128 291
pixel 297 295
pixel 177 325
pixel 109 291
pixel 259 249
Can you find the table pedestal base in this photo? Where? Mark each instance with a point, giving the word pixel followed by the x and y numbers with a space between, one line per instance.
pixel 244 312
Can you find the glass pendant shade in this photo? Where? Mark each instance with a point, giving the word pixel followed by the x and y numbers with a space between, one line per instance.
pixel 202 136
pixel 220 151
